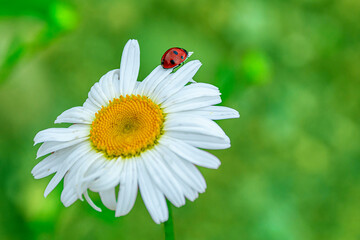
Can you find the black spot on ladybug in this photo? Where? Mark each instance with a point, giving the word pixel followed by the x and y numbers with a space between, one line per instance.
pixel 182 57
pixel 172 61
pixel 176 53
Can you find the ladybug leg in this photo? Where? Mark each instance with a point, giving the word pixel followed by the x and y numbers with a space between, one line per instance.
pixel 180 65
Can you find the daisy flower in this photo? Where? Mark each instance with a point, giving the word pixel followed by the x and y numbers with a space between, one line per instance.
pixel 134 134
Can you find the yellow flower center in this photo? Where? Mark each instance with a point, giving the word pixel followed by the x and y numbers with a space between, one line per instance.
pixel 127 126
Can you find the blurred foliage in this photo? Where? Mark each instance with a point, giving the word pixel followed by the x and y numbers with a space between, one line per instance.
pixel 56 18
pixel 291 68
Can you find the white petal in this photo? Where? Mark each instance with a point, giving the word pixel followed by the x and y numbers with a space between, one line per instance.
pixel 108 198
pixel 200 141
pixel 76 115
pixel 107 176
pixel 180 185
pixel 191 154
pixel 129 67
pixel 176 81
pixel 62 134
pixel 136 86
pixel 49 147
pixel 153 199
pixel 163 178
pixel 68 198
pixel 183 169
pixel 90 106
pixel 68 195
pixel 116 85
pixel 192 92
pixel 94 97
pixel 78 151
pixel 107 84
pixel 128 188
pixel 148 85
pixel 91 203
pixel 47 166
pixel 189 192
pixel 72 183
pixel 83 168
pixel 213 112
pixel 193 125
pixel 52 163
pixel 198 132
pixel 97 96
pixel 193 104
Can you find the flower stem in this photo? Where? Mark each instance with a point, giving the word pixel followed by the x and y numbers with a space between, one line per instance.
pixel 169 225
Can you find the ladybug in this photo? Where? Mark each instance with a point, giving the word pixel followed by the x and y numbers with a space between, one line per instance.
pixel 173 57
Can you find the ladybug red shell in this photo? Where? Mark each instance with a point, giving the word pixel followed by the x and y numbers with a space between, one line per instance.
pixel 173 57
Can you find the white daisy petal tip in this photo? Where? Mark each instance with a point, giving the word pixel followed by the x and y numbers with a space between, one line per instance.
pixel 216 164
pixel 38 155
pixel 129 67
pixel 161 123
pixel 236 114
pixel 91 203
pixel 189 68
pixel 36 139
pixel 195 64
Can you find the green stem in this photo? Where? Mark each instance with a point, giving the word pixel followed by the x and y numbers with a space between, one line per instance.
pixel 169 225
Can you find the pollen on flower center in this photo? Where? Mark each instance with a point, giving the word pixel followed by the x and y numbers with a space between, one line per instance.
pixel 127 126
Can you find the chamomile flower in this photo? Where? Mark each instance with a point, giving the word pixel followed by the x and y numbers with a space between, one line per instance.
pixel 134 134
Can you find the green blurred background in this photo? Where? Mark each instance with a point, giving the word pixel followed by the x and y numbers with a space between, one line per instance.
pixel 291 68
